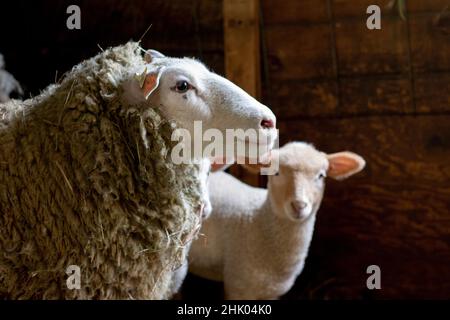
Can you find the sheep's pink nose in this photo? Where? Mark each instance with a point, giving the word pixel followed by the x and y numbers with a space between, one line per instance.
pixel 298 205
pixel 267 124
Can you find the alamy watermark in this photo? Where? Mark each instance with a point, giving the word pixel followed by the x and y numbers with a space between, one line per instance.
pixel 239 146
pixel 374 20
pixel 73 282
pixel 374 280
pixel 74 20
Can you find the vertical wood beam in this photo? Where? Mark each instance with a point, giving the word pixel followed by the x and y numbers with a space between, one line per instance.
pixel 242 43
pixel 242 55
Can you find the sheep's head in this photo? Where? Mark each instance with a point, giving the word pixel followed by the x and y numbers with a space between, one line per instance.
pixel 186 91
pixel 296 190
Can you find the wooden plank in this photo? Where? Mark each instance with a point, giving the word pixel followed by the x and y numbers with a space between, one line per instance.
pixel 242 54
pixel 394 214
pixel 242 44
pixel 180 15
pixel 430 45
pixel 375 95
pixel 432 92
pixel 361 51
pixel 415 6
pixel 299 52
pixel 359 96
pixel 299 98
pixel 357 9
pixel 294 11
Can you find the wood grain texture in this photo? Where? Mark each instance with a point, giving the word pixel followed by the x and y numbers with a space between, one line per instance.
pixel 432 92
pixel 427 6
pixel 359 96
pixel 430 44
pixel 361 51
pixel 356 9
pixel 242 44
pixel 302 98
pixel 376 95
pixel 296 12
pixel 242 55
pixel 299 52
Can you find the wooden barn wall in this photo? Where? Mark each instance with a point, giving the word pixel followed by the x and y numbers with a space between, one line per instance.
pixel 384 94
pixel 34 33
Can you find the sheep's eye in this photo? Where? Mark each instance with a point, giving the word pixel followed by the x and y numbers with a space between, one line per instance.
pixel 321 176
pixel 277 173
pixel 182 86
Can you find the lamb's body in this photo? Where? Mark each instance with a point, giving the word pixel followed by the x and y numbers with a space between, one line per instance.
pixel 239 246
pixel 78 186
pixel 256 240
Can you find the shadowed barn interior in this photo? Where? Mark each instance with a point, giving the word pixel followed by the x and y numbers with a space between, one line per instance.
pixel 384 94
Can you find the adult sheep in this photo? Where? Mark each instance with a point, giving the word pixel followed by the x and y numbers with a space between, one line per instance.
pixel 86 177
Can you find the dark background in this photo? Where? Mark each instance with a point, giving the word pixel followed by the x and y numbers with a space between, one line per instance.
pixel 384 94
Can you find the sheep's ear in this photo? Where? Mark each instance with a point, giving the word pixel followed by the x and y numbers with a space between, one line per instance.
pixel 149 81
pixel 152 54
pixel 344 164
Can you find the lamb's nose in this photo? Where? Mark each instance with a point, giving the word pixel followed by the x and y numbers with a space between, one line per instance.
pixel 267 124
pixel 298 205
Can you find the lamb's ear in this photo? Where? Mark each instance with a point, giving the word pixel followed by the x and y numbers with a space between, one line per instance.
pixel 344 164
pixel 149 81
pixel 152 54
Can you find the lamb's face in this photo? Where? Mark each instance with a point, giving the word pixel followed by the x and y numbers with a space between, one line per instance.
pixel 297 189
pixel 187 92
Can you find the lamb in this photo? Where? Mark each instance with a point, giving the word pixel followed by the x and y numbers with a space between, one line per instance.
pixel 8 84
pixel 256 240
pixel 87 177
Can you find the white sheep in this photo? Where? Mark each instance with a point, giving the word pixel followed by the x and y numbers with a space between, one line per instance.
pixel 256 240
pixel 8 84
pixel 87 178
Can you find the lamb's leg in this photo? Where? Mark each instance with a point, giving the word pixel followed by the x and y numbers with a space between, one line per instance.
pixel 239 294
pixel 243 287
pixel 236 288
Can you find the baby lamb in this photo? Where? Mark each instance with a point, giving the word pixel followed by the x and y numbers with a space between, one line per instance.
pixel 256 240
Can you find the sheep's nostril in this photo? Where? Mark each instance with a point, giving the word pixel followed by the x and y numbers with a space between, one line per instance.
pixel 267 124
pixel 298 205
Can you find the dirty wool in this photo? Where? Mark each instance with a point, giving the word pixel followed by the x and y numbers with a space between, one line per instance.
pixel 88 181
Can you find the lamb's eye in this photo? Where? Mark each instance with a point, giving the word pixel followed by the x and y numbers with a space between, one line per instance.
pixel 277 173
pixel 182 86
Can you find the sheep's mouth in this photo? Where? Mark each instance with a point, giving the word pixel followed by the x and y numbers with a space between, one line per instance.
pixel 266 142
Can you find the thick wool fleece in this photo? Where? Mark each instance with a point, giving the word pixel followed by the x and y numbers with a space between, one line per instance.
pixel 79 186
